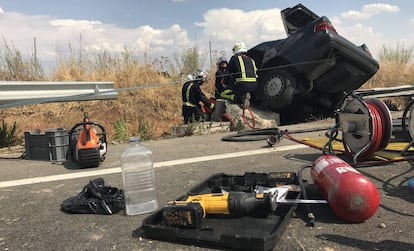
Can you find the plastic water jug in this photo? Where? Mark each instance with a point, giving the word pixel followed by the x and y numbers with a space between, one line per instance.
pixel 139 178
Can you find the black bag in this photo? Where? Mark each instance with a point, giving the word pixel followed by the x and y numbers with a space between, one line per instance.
pixel 95 198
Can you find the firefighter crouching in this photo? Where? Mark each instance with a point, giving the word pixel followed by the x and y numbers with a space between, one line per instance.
pixel 194 100
pixel 223 83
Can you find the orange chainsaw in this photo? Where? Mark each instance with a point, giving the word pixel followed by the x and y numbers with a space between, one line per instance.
pixel 87 143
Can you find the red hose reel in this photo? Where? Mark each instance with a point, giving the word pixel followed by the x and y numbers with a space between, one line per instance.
pixel 366 126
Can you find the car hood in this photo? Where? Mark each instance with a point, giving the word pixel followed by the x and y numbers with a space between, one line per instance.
pixel 296 17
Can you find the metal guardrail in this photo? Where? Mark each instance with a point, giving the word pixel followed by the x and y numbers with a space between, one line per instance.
pixel 19 93
pixel 403 90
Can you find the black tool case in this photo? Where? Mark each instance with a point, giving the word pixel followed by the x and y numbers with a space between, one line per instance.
pixel 250 232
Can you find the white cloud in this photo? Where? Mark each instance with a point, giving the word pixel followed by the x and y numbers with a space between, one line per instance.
pixel 55 35
pixel 370 10
pixel 73 23
pixel 362 33
pixel 222 27
pixel 227 26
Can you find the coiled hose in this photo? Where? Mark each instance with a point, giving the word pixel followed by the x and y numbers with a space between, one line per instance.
pixel 271 135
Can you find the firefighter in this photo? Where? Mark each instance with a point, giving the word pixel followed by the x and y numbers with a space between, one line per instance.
pixel 223 85
pixel 194 99
pixel 244 72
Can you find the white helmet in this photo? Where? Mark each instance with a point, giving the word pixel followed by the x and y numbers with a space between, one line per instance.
pixel 221 60
pixel 239 47
pixel 200 76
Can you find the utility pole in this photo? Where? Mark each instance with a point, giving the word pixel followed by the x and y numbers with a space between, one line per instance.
pixel 211 56
pixel 34 49
pixel 80 48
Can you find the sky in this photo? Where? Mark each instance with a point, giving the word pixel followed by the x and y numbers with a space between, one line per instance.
pixel 155 29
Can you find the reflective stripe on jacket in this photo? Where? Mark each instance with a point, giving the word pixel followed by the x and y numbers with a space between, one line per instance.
pixel 186 98
pixel 247 69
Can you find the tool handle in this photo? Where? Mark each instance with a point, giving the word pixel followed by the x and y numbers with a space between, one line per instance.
pixel 214 203
pixel 232 203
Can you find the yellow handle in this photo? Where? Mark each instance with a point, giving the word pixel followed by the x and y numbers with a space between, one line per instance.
pixel 214 203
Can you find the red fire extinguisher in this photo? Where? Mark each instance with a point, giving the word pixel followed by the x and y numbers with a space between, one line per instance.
pixel 352 196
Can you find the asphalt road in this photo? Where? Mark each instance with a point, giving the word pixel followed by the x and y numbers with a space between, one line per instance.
pixel 31 193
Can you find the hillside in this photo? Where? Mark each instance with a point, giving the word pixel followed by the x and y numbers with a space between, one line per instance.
pixel 158 108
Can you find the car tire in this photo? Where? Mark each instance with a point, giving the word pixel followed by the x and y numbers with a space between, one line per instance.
pixel 276 89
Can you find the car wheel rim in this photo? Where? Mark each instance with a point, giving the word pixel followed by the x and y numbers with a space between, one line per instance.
pixel 274 86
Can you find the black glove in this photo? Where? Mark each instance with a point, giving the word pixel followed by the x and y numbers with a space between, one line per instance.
pixel 95 198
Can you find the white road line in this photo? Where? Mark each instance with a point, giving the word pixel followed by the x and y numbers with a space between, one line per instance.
pixel 67 176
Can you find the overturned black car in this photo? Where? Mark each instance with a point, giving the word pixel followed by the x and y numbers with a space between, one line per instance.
pixel 309 71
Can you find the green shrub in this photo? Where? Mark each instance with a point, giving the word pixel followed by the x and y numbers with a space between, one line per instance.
pixel 121 130
pixel 145 129
pixel 8 136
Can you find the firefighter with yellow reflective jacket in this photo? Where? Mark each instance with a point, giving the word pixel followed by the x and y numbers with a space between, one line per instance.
pixel 194 99
pixel 244 72
pixel 223 84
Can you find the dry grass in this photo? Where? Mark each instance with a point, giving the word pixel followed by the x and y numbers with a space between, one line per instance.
pixel 158 106
pixel 391 74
